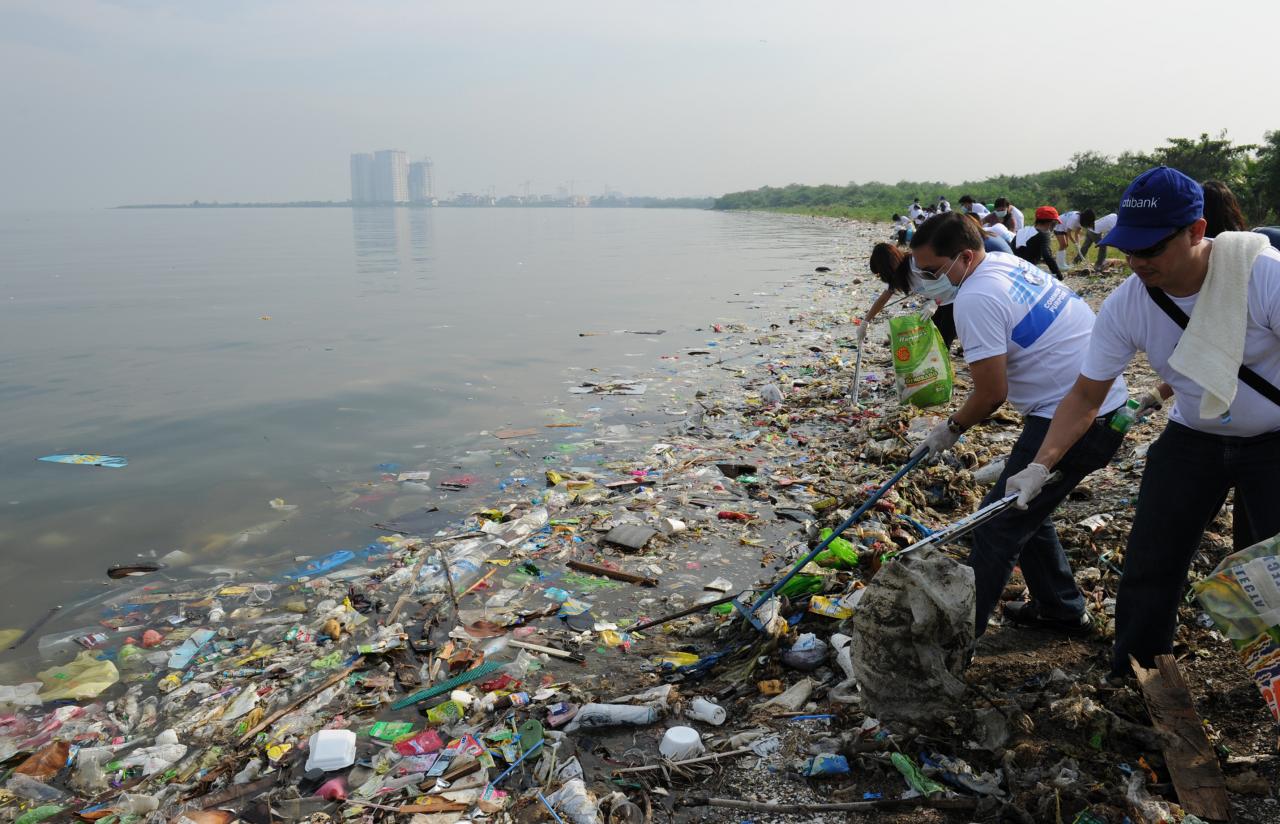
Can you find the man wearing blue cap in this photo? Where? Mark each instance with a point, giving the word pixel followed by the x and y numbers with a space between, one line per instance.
pixel 1207 315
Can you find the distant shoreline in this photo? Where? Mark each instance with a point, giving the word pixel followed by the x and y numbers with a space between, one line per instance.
pixel 634 203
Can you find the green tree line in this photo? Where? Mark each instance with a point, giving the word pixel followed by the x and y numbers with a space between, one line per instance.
pixel 1091 180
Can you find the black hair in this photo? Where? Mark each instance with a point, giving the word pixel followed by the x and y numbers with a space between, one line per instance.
pixel 892 266
pixel 948 234
pixel 1087 218
pixel 1221 209
pixel 1003 201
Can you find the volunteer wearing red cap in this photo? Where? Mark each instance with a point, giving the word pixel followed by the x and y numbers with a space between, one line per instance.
pixel 1035 243
pixel 1025 337
pixel 1207 315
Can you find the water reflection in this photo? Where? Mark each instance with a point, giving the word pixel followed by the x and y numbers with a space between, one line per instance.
pixel 394 249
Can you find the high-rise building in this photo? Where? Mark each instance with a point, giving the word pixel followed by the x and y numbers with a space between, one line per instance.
pixel 361 179
pixel 390 176
pixel 421 184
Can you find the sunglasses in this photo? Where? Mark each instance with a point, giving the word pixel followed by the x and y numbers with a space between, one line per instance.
pixel 1156 250
pixel 931 274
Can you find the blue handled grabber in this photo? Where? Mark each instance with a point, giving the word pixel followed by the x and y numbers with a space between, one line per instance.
pixel 749 612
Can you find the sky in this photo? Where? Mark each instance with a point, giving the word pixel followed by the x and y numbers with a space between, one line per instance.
pixel 144 101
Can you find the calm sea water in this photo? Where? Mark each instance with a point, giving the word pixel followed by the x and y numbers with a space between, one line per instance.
pixel 241 356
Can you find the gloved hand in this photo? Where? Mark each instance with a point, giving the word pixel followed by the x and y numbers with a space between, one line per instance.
pixel 1027 483
pixel 861 334
pixel 939 440
pixel 928 310
pixel 1150 402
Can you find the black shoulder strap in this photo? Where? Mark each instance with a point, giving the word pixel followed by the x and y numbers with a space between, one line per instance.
pixel 1249 377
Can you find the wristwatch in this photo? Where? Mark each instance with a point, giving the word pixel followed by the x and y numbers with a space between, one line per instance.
pixel 953 427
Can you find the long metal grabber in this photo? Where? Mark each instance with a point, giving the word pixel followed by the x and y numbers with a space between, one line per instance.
pixel 750 612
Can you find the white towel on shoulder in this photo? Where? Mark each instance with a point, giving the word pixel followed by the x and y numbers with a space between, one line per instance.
pixel 1212 346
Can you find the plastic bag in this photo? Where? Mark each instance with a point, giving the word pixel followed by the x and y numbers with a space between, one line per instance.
pixel 913 630
pixel 921 362
pixel 21 695
pixel 85 677
pixel 1242 596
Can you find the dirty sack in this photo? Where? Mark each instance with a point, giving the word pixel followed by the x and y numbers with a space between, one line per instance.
pixel 913 630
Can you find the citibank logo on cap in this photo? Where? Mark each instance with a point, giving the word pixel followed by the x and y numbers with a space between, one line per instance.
pixel 1140 203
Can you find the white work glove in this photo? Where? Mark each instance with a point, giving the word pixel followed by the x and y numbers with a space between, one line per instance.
pixel 928 310
pixel 861 334
pixel 939 440
pixel 1150 402
pixel 1027 484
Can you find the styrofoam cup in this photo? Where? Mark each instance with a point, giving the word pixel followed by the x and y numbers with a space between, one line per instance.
pixel 680 743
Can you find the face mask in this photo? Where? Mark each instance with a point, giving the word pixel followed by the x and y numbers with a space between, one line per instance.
pixel 1000 213
pixel 940 288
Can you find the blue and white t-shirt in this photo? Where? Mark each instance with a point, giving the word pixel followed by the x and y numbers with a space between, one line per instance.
pixel 1009 307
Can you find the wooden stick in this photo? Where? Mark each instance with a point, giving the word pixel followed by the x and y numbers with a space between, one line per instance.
pixel 682 613
pixel 404 596
pixel 292 705
pixel 850 806
pixel 477 584
pixel 715 756
pixel 615 574
pixel 448 577
pixel 558 653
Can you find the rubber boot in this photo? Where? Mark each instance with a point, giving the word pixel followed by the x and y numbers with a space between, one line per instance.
pixel 1062 260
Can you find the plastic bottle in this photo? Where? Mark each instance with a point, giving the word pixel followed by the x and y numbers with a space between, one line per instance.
pixel 1124 417
pixel 615 715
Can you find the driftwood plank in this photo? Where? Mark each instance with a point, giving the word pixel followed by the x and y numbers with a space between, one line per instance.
pixel 1192 763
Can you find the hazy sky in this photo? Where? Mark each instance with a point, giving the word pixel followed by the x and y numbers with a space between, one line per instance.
pixel 145 101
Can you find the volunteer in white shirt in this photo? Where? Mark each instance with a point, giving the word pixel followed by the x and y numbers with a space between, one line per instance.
pixel 915 211
pixel 1024 336
pixel 1094 228
pixel 1196 461
pixel 943 205
pixel 973 207
pixel 1068 229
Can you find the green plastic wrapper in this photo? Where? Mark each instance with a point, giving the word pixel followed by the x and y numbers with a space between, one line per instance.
pixel 916 780
pixel 921 363
pixel 37 814
pixel 1242 596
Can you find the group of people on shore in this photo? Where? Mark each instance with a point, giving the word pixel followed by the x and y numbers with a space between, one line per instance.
pixel 1203 303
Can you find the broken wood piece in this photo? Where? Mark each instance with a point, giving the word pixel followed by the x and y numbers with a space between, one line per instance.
pixel 1193 764
pixel 435 805
pixel 615 574
pixel 850 806
pixel 715 756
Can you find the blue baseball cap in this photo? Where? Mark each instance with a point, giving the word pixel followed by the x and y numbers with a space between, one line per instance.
pixel 1157 202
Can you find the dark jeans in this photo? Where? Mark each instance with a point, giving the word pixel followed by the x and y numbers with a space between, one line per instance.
pixel 1027 537
pixel 1091 237
pixel 945 320
pixel 1185 482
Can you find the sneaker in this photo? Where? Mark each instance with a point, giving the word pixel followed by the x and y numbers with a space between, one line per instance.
pixel 1026 614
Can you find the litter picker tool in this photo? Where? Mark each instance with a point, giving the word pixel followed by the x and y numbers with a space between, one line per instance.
pixel 857 375
pixel 743 599
pixel 972 521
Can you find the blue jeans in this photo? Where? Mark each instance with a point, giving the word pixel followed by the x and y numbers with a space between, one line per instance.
pixel 1027 537
pixel 1186 479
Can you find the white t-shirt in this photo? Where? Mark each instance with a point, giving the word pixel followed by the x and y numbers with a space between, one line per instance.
pixel 1018 221
pixel 1130 321
pixel 915 211
pixel 943 206
pixel 1068 222
pixel 1008 307
pixel 903 222
pixel 978 209
pixel 1105 223
pixel 1023 235
pixel 1001 231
